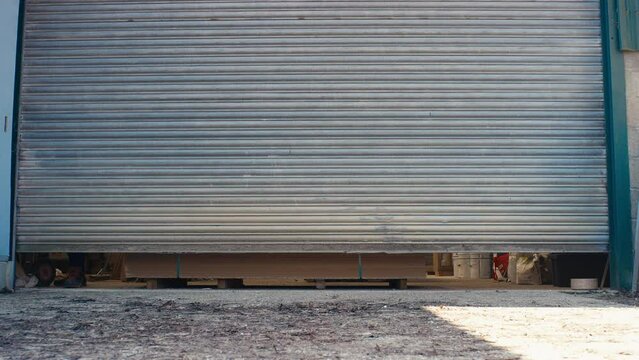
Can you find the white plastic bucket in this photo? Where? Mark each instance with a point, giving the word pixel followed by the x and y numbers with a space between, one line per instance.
pixel 473 265
pixel 461 265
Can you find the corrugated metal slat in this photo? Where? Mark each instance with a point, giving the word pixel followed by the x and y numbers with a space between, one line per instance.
pixel 285 126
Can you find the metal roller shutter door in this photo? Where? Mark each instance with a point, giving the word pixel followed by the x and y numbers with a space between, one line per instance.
pixel 369 126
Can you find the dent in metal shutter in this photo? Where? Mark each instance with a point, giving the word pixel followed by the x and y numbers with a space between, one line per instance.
pixel 205 126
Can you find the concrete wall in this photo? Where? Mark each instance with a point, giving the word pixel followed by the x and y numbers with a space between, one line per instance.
pixel 631 60
pixel 632 96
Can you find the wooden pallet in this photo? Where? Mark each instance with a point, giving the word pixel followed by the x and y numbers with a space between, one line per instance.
pixel 230 269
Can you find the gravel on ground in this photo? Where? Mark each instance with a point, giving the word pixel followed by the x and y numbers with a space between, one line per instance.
pixel 313 324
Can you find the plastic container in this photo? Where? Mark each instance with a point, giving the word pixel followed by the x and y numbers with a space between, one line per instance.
pixel 461 265
pixel 473 265
pixel 584 284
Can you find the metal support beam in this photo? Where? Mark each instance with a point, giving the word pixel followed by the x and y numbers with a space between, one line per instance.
pixel 635 275
pixel 9 20
pixel 621 246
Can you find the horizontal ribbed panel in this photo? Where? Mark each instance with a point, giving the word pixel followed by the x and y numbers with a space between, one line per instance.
pixel 404 126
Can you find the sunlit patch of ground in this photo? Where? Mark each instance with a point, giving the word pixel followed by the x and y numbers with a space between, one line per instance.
pixel 546 333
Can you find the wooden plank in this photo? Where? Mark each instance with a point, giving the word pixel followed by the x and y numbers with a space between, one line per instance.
pixel 393 266
pixel 399 284
pixel 320 284
pixel 276 266
pixel 166 283
pixel 283 266
pixel 116 262
pixel 229 283
pixel 151 266
pixel 437 264
pixel 152 284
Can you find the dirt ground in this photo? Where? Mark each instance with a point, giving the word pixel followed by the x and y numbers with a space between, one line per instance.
pixel 304 323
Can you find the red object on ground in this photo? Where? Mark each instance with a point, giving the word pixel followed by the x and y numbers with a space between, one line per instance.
pixel 500 267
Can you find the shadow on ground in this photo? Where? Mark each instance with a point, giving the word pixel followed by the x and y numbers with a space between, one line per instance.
pixel 98 324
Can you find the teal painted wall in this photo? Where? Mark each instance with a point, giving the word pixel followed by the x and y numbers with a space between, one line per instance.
pixel 628 14
pixel 619 204
pixel 9 10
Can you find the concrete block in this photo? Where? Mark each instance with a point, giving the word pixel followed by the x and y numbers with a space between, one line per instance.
pixel 632 102
pixel 633 142
pixel 634 195
pixel 634 172
pixel 631 60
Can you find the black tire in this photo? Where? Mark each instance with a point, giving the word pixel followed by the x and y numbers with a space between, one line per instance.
pixel 45 272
